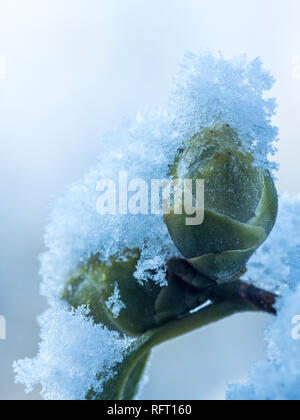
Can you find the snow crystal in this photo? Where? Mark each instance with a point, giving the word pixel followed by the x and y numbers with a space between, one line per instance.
pixel 114 303
pixel 148 265
pixel 72 353
pixel 270 267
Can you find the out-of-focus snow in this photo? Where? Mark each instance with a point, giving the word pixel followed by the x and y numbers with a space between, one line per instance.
pixel 277 266
pixel 278 378
pixel 272 267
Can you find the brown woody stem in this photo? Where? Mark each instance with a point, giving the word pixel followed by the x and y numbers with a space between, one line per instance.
pixel 258 299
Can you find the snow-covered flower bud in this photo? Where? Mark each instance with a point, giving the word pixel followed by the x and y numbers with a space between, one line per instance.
pixel 114 296
pixel 117 300
pixel 241 204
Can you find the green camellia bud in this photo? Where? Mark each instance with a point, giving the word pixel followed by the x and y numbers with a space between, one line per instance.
pixel 117 300
pixel 241 205
pixel 113 294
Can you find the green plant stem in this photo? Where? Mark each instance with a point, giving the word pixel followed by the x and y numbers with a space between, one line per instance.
pixel 206 316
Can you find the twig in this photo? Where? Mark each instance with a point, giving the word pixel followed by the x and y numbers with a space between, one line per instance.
pixel 238 291
pixel 257 299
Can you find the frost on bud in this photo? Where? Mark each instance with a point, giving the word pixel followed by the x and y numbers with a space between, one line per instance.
pixel 113 294
pixel 241 204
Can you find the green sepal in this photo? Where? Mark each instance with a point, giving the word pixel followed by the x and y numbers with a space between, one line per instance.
pixel 216 234
pixel 267 209
pixel 224 267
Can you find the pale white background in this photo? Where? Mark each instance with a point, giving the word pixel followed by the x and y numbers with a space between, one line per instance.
pixel 70 69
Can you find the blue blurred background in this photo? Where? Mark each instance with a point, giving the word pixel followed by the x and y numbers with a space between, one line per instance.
pixel 69 71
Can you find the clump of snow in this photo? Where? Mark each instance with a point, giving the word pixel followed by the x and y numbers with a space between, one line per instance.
pixel 143 148
pixel 114 302
pixel 271 267
pixel 73 352
pixel 211 90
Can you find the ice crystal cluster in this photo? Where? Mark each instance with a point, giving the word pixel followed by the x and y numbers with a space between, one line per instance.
pixel 208 91
pixel 114 303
